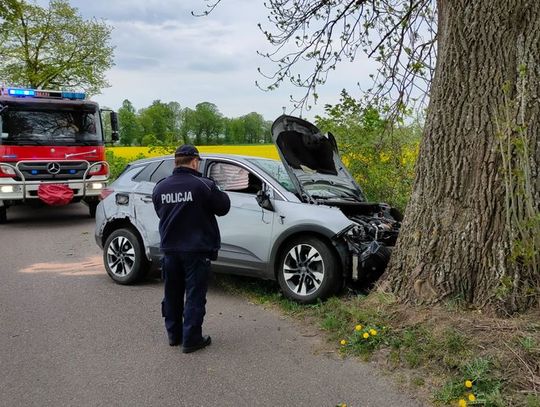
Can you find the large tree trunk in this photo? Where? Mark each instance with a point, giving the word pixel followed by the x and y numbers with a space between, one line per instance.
pixel 468 231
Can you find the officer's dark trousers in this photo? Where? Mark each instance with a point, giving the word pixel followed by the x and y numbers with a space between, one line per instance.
pixel 185 274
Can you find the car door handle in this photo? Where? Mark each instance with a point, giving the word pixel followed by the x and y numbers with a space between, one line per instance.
pixel 146 199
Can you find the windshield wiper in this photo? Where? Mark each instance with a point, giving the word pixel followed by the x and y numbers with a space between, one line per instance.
pixel 316 182
pixel 28 141
pixel 322 197
pixel 3 108
pixel 87 143
pixel 350 195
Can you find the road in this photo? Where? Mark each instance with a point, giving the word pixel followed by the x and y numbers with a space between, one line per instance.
pixel 71 337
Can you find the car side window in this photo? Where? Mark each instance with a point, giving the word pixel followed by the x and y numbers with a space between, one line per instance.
pixel 146 173
pixel 233 178
pixel 164 170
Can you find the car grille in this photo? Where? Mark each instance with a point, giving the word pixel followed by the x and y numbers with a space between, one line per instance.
pixel 41 171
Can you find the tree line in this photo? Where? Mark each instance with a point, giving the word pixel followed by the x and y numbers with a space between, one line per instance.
pixel 168 123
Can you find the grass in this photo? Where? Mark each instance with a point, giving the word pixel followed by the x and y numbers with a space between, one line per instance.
pixel 437 350
pixel 484 386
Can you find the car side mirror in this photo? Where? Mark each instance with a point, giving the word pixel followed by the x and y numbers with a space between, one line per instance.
pixel 115 127
pixel 263 199
pixel 110 122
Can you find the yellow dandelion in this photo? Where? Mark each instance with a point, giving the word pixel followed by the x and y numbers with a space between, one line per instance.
pixel 358 328
pixel 468 384
pixel 472 397
pixel 462 403
pixel 366 335
pixel 373 332
pixel 343 342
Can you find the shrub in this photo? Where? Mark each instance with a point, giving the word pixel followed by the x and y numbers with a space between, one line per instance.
pixel 379 154
pixel 117 164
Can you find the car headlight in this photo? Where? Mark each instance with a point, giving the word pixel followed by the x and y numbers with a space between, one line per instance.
pixel 95 169
pixel 7 170
pixel 358 232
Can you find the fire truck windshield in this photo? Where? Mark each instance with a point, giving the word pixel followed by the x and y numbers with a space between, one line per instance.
pixel 49 127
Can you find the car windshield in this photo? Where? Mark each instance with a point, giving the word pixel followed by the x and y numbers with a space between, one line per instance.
pixel 324 190
pixel 276 170
pixel 47 127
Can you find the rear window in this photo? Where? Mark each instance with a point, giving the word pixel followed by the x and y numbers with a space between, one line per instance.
pixel 127 175
pixel 164 170
pixel 147 172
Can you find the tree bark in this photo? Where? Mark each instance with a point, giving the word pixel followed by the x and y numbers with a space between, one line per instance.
pixel 458 239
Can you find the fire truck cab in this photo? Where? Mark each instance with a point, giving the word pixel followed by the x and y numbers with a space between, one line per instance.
pixel 51 138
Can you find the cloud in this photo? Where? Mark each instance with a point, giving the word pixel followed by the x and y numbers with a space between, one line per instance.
pixel 129 62
pixel 159 11
pixel 149 11
pixel 163 52
pixel 213 67
pixel 170 46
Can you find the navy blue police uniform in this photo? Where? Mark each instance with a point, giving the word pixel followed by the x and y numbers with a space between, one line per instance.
pixel 187 204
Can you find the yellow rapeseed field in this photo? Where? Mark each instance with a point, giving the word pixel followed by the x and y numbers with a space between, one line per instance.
pixel 261 150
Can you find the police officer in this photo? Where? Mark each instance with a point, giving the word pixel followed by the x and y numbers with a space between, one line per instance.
pixel 187 204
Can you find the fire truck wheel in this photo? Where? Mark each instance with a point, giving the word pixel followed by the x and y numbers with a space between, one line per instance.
pixel 124 257
pixel 3 214
pixel 92 208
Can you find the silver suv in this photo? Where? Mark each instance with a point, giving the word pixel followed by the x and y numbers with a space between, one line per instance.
pixel 302 221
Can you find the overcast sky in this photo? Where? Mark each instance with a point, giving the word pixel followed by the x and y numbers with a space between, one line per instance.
pixel 163 52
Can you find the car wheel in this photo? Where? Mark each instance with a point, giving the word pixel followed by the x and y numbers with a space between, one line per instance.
pixel 308 270
pixel 3 214
pixel 124 257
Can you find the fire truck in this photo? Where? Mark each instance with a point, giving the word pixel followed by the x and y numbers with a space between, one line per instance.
pixel 52 148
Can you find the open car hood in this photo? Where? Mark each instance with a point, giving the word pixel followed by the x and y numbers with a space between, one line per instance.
pixel 313 162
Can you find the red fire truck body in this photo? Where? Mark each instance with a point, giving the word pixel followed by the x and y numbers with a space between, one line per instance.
pixel 50 138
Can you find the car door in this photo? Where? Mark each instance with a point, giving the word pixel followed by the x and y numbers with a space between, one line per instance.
pixel 247 229
pixel 144 208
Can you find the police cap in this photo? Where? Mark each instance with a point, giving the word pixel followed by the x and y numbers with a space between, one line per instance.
pixel 187 150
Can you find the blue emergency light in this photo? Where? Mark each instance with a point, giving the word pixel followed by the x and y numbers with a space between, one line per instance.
pixel 51 94
pixel 21 92
pixel 73 95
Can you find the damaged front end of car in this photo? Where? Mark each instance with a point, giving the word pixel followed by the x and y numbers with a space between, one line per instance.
pixel 313 163
pixel 369 241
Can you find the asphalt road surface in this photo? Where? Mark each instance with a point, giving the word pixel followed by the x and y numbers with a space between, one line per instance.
pixel 70 336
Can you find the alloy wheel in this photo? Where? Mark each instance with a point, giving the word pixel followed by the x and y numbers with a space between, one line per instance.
pixel 121 256
pixel 303 269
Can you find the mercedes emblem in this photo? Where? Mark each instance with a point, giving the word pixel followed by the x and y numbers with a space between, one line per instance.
pixel 53 168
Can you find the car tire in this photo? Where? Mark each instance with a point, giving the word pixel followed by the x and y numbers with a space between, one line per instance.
pixel 3 214
pixel 124 258
pixel 308 270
